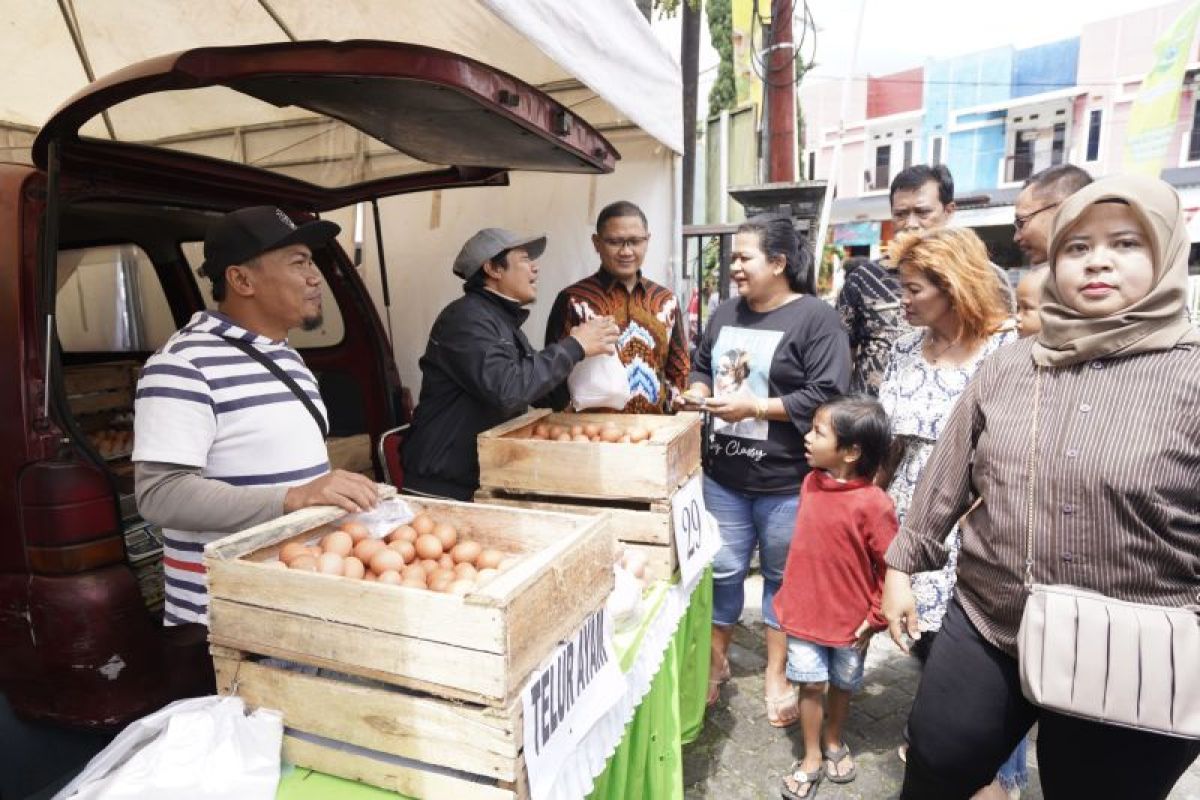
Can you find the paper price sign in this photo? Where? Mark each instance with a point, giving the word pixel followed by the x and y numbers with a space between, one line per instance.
pixel 692 531
pixel 565 697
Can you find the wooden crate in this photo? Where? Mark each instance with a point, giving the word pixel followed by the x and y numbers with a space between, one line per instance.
pixel 510 461
pixel 479 648
pixel 418 745
pixel 642 526
pixel 96 388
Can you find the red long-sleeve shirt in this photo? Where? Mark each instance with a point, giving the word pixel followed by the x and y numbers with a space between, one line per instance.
pixel 835 567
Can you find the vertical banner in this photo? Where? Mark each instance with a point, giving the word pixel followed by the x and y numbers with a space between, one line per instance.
pixel 1154 113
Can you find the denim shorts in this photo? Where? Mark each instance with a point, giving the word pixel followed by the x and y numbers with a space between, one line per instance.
pixel 809 662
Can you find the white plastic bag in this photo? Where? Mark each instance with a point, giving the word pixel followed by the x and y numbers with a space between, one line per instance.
pixel 204 748
pixel 599 382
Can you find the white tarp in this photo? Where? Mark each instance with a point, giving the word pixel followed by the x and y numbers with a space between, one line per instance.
pixel 605 44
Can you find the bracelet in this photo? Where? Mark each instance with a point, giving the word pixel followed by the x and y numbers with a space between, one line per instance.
pixel 760 409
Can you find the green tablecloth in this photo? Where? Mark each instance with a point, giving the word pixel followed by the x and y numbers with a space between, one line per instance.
pixel 648 763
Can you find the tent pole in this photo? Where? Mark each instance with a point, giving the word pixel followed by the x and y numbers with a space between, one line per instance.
pixel 383 274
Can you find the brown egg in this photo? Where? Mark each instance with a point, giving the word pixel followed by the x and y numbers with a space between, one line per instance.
pixel 365 550
pixel 385 560
pixel 445 561
pixel 414 572
pixel 337 542
pixel 595 438
pixel 430 565
pixel 555 431
pixel 416 583
pixel 485 575
pixel 464 570
pixel 610 435
pixel 304 562
pixel 276 564
pixel 390 576
pixel 404 533
pixel 539 436
pixel 461 587
pixel 353 568
pixel 563 437
pixel 638 434
pixel 315 550
pixel 440 581
pixel 370 576
pixel 406 549
pixel 291 550
pixel 330 564
pixel 541 430
pixel 428 546
pixel 356 530
pixel 577 430
pixel 422 524
pixel 447 534
pixel 591 429
pixel 466 552
pixel 489 558
pixel 580 438
pixel 625 439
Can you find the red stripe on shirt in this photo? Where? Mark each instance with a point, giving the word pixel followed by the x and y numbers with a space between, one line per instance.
pixel 184 565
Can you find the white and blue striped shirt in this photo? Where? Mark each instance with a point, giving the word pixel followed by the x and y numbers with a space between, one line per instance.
pixel 203 403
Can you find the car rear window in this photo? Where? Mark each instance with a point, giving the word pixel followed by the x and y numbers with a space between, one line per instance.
pixel 110 300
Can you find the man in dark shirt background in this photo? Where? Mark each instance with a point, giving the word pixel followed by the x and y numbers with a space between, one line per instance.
pixel 922 198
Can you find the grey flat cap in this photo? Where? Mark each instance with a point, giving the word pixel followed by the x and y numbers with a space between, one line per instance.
pixel 489 243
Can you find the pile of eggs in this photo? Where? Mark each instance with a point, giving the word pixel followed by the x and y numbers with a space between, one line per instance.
pixel 609 432
pixel 112 441
pixel 424 554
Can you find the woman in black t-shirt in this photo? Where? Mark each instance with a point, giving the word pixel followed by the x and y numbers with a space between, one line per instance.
pixel 767 360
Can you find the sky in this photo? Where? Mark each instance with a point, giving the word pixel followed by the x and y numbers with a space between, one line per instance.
pixel 899 36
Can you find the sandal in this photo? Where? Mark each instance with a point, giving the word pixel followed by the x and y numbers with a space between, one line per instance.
pixel 833 758
pixel 714 684
pixel 805 781
pixel 783 710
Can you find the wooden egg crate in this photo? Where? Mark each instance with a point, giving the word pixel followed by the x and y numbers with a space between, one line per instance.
pixel 510 461
pixel 418 690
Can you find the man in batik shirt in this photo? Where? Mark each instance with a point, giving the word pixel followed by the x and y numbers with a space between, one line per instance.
pixel 652 345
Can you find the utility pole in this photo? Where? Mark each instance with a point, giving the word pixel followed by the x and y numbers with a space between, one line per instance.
pixel 781 95
pixel 689 57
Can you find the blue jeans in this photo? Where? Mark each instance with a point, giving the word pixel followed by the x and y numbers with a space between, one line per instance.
pixel 765 521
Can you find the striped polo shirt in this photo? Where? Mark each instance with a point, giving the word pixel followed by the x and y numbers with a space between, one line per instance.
pixel 201 402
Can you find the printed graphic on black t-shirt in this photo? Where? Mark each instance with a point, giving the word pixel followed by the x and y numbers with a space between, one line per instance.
pixel 741 366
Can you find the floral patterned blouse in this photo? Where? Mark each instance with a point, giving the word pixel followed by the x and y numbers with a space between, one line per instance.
pixel 918 397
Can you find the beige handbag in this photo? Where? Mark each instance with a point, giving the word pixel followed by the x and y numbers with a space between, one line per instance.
pixel 1081 653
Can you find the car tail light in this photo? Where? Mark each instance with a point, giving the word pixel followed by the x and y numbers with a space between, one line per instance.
pixel 68 517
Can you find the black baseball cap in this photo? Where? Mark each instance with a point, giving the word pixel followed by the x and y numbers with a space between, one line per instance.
pixel 241 235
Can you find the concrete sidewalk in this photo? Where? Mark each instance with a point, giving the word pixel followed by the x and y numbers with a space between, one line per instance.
pixel 739 755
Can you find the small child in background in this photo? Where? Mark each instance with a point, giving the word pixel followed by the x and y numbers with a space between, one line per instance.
pixel 833 582
pixel 1029 297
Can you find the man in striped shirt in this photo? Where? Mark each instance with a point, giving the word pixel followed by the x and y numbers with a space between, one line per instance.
pixel 221 442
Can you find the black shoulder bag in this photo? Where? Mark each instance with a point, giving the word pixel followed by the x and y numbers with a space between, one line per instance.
pixel 286 379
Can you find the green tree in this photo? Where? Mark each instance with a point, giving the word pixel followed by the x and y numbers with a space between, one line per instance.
pixel 723 95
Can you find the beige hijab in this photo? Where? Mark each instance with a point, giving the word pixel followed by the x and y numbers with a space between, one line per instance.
pixel 1157 321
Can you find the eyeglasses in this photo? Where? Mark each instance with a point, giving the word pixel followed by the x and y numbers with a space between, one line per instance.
pixel 1020 222
pixel 633 242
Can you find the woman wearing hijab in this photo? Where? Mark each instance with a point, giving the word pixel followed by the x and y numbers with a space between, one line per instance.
pixel 1115 507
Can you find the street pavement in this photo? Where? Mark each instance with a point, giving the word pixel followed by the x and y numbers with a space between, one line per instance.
pixel 738 755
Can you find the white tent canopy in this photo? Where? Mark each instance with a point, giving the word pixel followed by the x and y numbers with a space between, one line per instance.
pixel 606 46
pixel 599 58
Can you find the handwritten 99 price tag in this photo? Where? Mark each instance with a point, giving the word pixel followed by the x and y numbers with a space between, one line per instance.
pixel 695 540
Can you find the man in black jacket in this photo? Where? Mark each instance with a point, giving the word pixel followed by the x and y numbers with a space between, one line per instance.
pixel 479 370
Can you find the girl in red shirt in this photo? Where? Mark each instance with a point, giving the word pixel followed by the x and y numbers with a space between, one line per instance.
pixel 829 601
